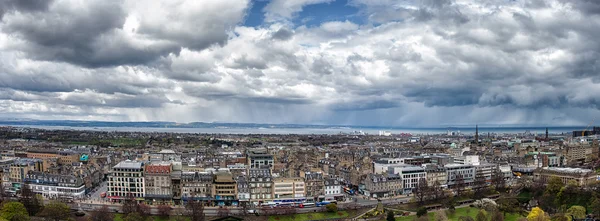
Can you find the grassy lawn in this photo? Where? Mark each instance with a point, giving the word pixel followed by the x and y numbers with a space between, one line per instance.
pixel 464 211
pixel 309 216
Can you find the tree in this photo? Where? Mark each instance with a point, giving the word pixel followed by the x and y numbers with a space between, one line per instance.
pixel 222 211
pixel 508 205
pixel 559 217
pixel 195 210
pixel 30 201
pixel 440 216
pixel 498 180
pixel 133 216
pixel 497 216
pixel 390 216
pixel 459 185
pixel 479 185
pixel 554 185
pixel 332 207
pixel 481 216
pixel 594 206
pixel 164 210
pixel 56 211
pixel 465 218
pixel 144 210
pixel 102 214
pixel 437 191
pixel 421 211
pixel 537 214
pixel 421 191
pixel 577 211
pixel 14 211
pixel 129 204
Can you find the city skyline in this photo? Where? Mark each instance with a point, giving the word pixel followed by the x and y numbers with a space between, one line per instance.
pixel 329 62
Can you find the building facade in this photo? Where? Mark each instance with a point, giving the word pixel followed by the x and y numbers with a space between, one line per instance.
pixel 582 177
pixel 55 186
pixel 125 180
pixel 157 182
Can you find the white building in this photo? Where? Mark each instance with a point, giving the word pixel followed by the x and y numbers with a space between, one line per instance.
pixel 455 172
pixel 381 166
pixel 332 188
pixel 411 175
pixel 126 179
pixel 288 188
pixel 55 186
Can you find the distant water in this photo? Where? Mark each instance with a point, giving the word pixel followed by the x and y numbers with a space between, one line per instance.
pixel 331 130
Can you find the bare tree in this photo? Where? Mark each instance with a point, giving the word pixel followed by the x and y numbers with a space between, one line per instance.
pixel 29 199
pixel 102 214
pixel 195 210
pixel 144 210
pixel 459 185
pixel 164 210
pixel 421 191
pixel 437 191
pixel 222 211
pixel 479 185
pixel 498 180
pixel 129 204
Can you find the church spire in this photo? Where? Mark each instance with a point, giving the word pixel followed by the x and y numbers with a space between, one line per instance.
pixel 476 134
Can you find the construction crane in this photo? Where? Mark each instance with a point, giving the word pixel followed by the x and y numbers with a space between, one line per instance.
pixel 586 128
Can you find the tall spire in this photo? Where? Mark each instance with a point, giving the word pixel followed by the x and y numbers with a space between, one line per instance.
pixel 476 134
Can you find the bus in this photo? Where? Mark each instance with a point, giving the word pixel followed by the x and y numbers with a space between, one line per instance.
pixel 103 194
pixel 307 205
pixel 348 191
pixel 319 204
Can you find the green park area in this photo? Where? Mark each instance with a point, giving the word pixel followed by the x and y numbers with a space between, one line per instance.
pixel 459 212
pixel 309 216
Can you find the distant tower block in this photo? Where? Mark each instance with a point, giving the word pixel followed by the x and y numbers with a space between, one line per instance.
pixel 546 133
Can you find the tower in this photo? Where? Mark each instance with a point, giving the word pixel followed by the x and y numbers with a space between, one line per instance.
pixel 546 133
pixel 476 134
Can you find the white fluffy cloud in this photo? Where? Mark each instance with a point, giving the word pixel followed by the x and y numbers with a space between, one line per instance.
pixel 412 63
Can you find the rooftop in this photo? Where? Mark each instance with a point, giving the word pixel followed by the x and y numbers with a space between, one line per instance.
pixel 568 169
pixel 128 164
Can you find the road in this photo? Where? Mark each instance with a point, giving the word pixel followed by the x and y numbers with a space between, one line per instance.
pixel 95 203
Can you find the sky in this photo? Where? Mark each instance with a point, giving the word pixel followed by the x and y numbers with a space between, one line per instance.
pixel 342 62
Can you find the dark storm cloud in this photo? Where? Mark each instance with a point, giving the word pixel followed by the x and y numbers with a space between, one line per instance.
pixel 365 105
pixel 90 38
pixel 23 5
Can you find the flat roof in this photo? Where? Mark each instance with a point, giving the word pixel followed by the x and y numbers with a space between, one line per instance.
pixel 568 169
pixel 128 164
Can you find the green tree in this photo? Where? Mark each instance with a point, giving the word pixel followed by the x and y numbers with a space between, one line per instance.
pixel 332 207
pixel 133 216
pixel 421 211
pixel 554 185
pixel 559 217
pixel 497 216
pixel 440 216
pixel 14 211
pixel 508 205
pixel 577 211
pixel 594 206
pixel 390 216
pixel 481 216
pixel 465 218
pixel 56 211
